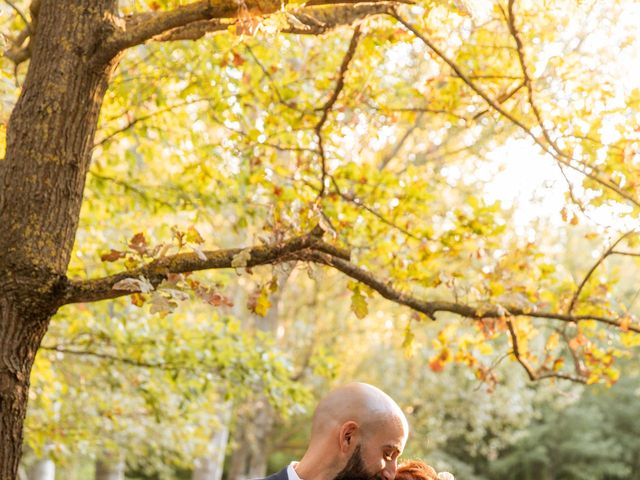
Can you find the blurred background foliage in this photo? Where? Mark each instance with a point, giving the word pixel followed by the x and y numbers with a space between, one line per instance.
pixel 213 144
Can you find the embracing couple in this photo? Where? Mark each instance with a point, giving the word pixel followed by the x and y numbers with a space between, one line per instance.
pixel 357 433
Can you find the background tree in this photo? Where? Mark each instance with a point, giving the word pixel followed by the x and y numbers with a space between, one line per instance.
pixel 286 130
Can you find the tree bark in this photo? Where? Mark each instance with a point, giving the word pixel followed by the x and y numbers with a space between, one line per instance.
pixel 49 139
pixel 256 419
pixel 252 435
pixel 110 466
pixel 210 467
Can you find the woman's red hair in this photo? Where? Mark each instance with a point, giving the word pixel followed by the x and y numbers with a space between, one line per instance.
pixel 415 470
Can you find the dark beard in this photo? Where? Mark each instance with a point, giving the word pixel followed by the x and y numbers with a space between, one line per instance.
pixel 355 469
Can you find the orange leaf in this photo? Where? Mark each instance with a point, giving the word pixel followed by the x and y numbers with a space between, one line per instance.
pixel 436 365
pixel 138 243
pixel 577 341
pixel 558 364
pixel 112 256
pixel 624 324
pixel 563 214
pixel 137 299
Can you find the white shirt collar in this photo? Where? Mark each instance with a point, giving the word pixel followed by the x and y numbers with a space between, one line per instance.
pixel 291 472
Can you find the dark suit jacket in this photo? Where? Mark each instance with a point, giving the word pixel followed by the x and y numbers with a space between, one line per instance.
pixel 281 475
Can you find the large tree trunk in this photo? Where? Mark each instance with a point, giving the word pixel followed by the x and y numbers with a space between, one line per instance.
pixel 49 140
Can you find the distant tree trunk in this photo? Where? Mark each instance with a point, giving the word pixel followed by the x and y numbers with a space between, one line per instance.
pixel 42 469
pixel 110 466
pixel 49 140
pixel 256 420
pixel 252 433
pixel 210 467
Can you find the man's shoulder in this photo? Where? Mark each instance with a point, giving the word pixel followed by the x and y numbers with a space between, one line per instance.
pixel 281 475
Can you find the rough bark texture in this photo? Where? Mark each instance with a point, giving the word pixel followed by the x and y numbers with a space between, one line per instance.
pixel 49 140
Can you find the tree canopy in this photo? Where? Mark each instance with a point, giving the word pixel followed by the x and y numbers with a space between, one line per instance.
pixel 168 156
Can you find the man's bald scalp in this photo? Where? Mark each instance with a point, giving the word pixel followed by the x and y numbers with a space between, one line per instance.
pixel 358 402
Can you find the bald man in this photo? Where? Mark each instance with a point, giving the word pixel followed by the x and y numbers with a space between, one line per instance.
pixel 357 433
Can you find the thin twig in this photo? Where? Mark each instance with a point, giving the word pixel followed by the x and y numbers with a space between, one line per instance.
pixel 110 357
pixel 135 189
pixel 606 253
pixel 271 82
pixel 148 116
pixel 400 143
pixel 326 108
pixel 627 254
pixel 22 15
pixel 533 376
pixel 550 149
pixel 516 352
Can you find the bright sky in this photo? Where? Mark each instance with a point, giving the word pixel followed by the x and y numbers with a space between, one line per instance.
pixel 529 181
pixel 534 185
pixel 533 182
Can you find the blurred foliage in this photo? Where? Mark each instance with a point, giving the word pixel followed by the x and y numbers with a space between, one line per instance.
pixel 215 144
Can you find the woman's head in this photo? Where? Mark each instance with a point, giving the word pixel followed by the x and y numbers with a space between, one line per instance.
pixel 417 470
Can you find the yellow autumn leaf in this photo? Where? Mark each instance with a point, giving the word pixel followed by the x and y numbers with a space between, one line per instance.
pixel 262 303
pixel 194 236
pixel 359 304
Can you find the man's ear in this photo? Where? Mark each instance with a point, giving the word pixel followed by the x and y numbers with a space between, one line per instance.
pixel 348 436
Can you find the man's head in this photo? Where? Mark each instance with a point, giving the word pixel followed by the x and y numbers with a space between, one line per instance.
pixel 357 433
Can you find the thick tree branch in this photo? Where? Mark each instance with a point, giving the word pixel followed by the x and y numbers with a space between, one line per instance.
pixel 193 31
pixel 301 21
pixel 139 28
pixel 318 20
pixel 156 271
pixel 310 247
pixel 194 20
pixel 430 308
